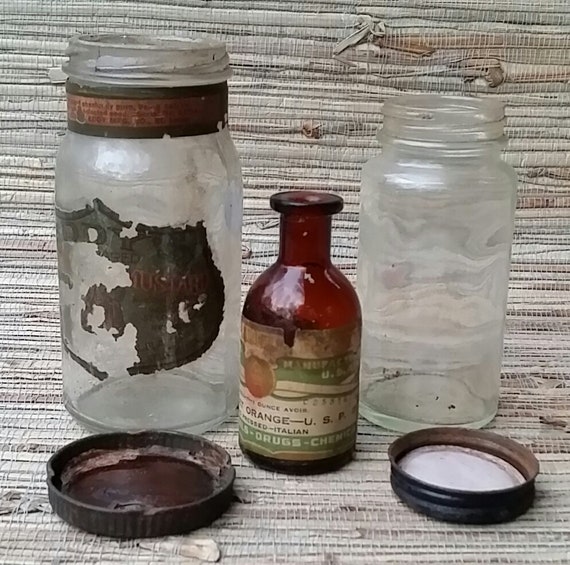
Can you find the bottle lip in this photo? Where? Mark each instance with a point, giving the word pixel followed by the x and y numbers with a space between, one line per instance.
pixel 307 202
pixel 146 61
pixel 443 118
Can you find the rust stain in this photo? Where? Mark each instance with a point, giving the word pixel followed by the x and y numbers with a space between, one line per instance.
pixel 478 40
pixel 487 68
pixel 412 46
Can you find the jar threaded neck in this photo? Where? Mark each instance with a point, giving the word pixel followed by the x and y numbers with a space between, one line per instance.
pixel 141 61
pixel 442 120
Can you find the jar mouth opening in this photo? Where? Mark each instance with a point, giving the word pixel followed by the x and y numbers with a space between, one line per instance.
pixel 146 61
pixel 443 118
pixel 435 108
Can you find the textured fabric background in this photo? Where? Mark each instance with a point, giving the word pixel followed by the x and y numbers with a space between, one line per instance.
pixel 310 79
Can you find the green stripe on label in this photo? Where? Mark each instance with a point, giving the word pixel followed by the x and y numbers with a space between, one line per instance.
pixel 332 371
pixel 313 447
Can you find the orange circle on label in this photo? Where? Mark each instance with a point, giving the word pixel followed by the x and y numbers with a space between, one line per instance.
pixel 259 377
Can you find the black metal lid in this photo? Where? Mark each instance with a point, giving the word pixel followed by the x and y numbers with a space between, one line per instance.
pixel 463 476
pixel 145 484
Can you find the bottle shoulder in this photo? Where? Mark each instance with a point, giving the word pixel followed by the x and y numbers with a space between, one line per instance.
pixel 307 296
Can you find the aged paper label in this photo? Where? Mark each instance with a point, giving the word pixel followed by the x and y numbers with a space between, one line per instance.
pixel 299 402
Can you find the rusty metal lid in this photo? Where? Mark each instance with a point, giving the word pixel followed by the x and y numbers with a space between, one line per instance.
pixel 463 476
pixel 146 484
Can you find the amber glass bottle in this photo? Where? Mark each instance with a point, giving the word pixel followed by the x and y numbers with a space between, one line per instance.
pixel 300 356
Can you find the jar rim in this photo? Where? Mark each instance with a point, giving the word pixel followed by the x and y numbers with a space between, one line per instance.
pixel 443 118
pixel 432 106
pixel 136 41
pixel 146 61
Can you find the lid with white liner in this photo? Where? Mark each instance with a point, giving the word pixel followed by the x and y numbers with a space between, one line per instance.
pixel 464 476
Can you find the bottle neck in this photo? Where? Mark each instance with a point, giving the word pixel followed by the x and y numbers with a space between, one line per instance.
pixel 305 239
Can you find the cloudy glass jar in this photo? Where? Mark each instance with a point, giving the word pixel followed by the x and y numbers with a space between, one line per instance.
pixel 436 226
pixel 148 209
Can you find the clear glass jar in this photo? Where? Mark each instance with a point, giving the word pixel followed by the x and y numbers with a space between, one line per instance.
pixel 436 227
pixel 148 208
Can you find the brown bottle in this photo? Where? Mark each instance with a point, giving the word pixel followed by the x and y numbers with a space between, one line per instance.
pixel 300 357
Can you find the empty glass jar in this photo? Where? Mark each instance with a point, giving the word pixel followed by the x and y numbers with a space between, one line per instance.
pixel 148 208
pixel 436 226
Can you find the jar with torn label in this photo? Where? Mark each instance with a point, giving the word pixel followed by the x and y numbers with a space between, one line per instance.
pixel 300 348
pixel 148 210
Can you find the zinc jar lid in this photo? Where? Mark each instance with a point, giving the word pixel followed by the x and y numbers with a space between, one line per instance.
pixel 463 476
pixel 145 484
pixel 146 61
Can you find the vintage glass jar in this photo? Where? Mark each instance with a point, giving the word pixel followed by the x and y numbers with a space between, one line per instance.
pixel 436 226
pixel 148 209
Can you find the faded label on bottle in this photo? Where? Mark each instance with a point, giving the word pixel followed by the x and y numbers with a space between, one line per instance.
pixel 135 298
pixel 299 402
